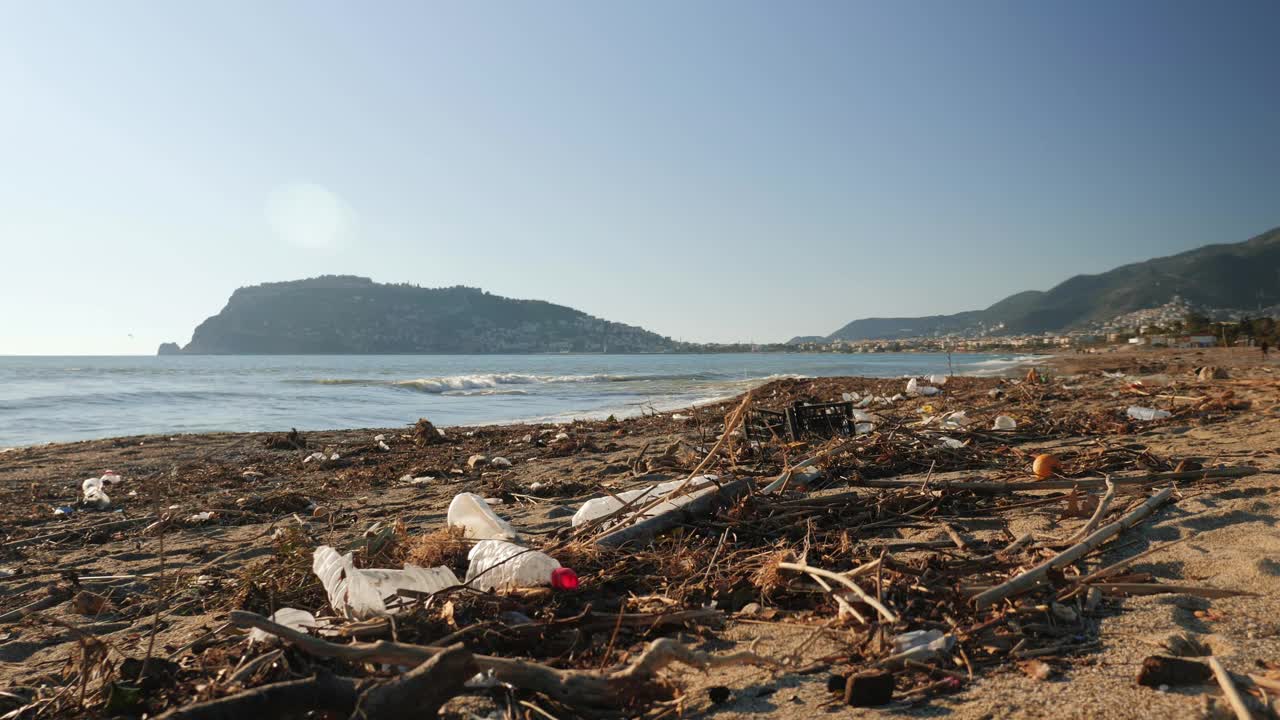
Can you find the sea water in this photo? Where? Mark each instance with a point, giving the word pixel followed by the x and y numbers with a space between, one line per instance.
pixel 48 399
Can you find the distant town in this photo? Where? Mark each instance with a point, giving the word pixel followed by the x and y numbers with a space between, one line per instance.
pixel 1175 324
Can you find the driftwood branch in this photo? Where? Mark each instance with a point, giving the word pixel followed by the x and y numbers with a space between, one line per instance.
pixel 698 503
pixel 1229 689
pixel 325 691
pixel 1103 505
pixel 610 688
pixel 1030 578
pixel 844 580
pixel 1005 488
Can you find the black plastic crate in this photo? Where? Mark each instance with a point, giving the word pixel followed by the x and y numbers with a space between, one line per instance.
pixel 820 420
pixel 765 425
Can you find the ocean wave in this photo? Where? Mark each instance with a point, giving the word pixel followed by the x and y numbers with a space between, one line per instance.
pixel 479 381
pixel 996 366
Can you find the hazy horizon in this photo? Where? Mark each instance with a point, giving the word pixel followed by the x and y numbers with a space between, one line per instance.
pixel 714 172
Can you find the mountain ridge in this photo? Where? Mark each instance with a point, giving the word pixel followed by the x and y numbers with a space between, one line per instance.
pixel 348 314
pixel 1228 275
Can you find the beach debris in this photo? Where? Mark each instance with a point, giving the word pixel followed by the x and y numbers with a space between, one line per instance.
pixel 497 564
pixel 950 442
pixel 63 510
pixel 289 617
pixel 915 389
pixel 955 420
pixel 425 433
pixel 1210 373
pixel 500 462
pixel 1045 465
pixel 477 461
pixel 936 379
pixel 94 494
pixel 200 517
pixel 1036 669
pixel 1004 422
pixel 1146 414
pixel 380 441
pixel 293 440
pixel 921 645
pixel 358 593
pixel 477 520
pixel 600 507
pixel 88 603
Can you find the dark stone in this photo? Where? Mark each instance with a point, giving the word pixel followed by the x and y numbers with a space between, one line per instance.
pixel 1159 670
pixel 868 690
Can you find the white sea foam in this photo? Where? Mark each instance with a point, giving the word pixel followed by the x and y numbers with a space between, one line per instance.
pixel 997 366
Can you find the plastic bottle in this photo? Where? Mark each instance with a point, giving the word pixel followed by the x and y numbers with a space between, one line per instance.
pixel 94 494
pixel 471 513
pixel 496 564
pixel 1004 422
pixel 599 507
pixel 360 593
pixel 915 388
pixel 1147 414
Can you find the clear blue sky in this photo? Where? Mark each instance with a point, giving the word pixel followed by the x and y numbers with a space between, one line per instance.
pixel 709 170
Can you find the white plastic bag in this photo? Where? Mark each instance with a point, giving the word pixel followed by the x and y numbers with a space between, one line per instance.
pixel 478 522
pixel 94 494
pixel 360 593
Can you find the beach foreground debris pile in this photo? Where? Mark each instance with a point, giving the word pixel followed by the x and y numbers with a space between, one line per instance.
pixel 961 536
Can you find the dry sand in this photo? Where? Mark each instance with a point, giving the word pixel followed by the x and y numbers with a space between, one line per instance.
pixel 1234 543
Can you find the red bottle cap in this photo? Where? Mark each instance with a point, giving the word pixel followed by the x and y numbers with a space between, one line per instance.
pixel 564 579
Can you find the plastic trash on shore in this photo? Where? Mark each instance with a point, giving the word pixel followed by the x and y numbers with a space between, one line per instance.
pixel 937 379
pixel 864 422
pixel 850 397
pixel 920 645
pixel 200 517
pixel 94 495
pixel 916 389
pixel 957 420
pixel 1004 422
pixel 599 507
pixel 950 442
pixel 500 565
pixel 478 522
pixel 1147 414
pixel 360 593
pixel 292 618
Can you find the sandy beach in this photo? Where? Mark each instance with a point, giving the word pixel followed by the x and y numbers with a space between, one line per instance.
pixel 161 583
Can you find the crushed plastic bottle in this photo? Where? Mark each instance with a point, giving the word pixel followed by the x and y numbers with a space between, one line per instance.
pixel 496 564
pixel 916 389
pixel 864 422
pixel 360 593
pixel 1004 422
pixel 1146 414
pixel 956 420
pixel 292 618
pixel 923 644
pixel 94 495
pixel 599 507
pixel 472 513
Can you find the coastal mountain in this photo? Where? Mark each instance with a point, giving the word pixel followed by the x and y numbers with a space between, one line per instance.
pixel 343 314
pixel 1239 275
